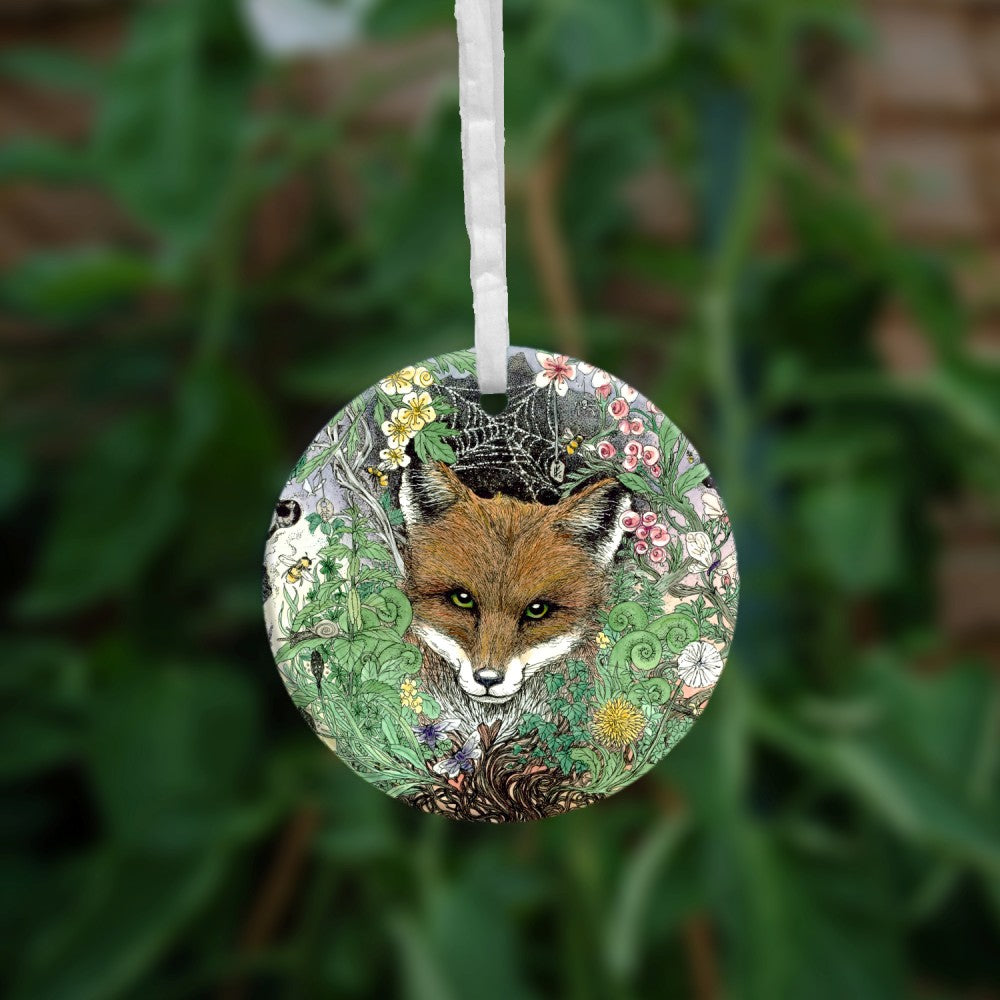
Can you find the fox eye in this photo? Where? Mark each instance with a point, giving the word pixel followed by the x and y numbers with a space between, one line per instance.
pixel 536 610
pixel 462 599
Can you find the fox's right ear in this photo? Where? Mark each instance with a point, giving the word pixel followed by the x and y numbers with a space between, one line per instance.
pixel 428 491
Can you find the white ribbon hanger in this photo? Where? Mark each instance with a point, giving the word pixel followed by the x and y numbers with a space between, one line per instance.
pixel 480 72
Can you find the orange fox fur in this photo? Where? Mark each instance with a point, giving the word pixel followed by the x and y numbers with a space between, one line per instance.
pixel 505 556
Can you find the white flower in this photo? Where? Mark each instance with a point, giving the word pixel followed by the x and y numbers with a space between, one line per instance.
pixel 394 458
pixel 398 382
pixel 699 664
pixel 712 504
pixel 556 370
pixel 629 393
pixel 397 429
pixel 699 547
pixel 601 378
pixel 726 573
pixel 418 409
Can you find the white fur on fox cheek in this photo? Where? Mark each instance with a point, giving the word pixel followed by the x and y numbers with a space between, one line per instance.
pixel 453 654
pixel 529 662
pixel 445 647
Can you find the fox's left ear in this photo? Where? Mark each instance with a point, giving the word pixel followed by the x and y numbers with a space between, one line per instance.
pixel 592 517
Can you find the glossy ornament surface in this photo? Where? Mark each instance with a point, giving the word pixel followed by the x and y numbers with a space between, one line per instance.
pixel 500 617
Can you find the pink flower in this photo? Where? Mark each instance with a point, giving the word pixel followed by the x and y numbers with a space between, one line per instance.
pixel 630 464
pixel 651 406
pixel 618 408
pixel 659 535
pixel 648 519
pixel 556 370
pixel 604 391
pixel 642 533
pixel 630 520
pixel 650 455
pixel 656 471
pixel 625 427
pixel 657 555
pixel 633 449
pixel 606 450
pixel 634 426
pixel 641 548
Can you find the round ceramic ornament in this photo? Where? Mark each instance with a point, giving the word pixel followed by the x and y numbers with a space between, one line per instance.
pixel 500 617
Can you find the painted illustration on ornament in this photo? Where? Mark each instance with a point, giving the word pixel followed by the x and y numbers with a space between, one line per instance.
pixel 500 617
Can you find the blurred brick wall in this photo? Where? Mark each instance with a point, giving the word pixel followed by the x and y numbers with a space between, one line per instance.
pixel 929 127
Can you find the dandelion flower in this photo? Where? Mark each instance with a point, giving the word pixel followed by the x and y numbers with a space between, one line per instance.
pixel 618 722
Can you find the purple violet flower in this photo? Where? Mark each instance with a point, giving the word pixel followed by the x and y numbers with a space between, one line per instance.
pixel 432 733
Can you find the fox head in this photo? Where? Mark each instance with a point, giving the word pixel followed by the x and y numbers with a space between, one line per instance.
pixel 501 588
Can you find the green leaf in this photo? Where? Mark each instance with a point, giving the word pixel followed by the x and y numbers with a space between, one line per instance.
pixel 592 41
pixel 42 160
pixel 432 448
pixel 636 483
pixel 74 284
pixel 389 730
pixel 109 936
pixel 668 433
pixel 588 757
pixel 689 479
pixel 170 129
pixel 408 754
pixel 51 67
pixel 624 936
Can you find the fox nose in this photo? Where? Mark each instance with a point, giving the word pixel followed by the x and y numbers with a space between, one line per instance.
pixel 487 677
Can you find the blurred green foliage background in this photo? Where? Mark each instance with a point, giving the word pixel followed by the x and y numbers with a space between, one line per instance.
pixel 276 236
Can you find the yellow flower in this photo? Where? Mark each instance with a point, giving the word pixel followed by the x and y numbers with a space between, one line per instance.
pixel 394 458
pixel 417 705
pixel 602 640
pixel 422 378
pixel 401 381
pixel 418 409
pixel 618 722
pixel 409 688
pixel 398 429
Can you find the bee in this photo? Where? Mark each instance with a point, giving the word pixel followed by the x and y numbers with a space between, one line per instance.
pixel 572 441
pixel 378 475
pixel 690 455
pixel 295 571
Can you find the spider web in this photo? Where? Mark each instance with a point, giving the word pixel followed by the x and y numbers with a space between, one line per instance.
pixel 520 452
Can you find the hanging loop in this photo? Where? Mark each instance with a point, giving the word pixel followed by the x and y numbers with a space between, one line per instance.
pixel 480 71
